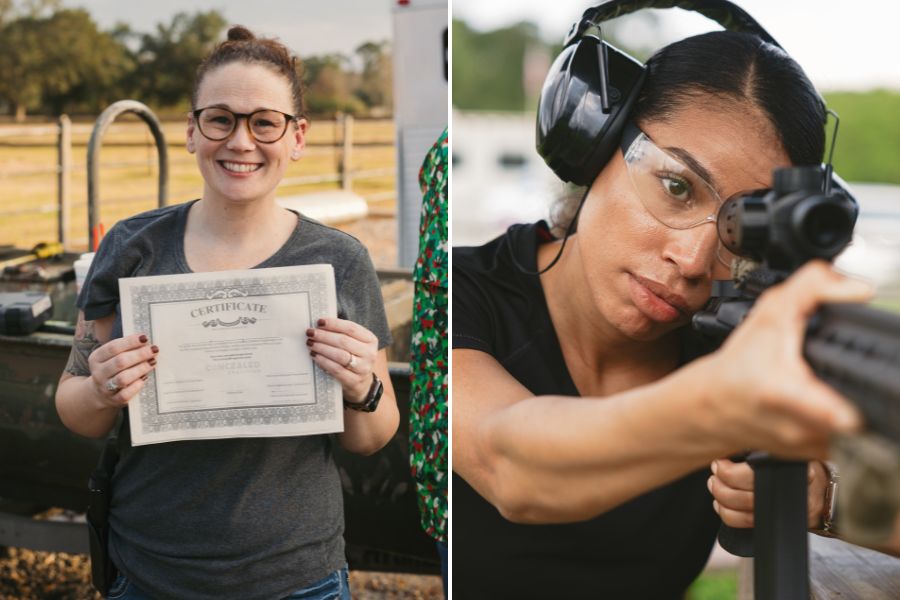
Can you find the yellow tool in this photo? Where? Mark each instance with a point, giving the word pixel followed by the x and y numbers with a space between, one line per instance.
pixel 41 251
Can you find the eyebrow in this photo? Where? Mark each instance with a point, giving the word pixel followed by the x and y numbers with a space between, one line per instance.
pixel 227 107
pixel 694 165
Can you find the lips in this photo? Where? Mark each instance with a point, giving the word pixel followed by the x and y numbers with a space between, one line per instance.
pixel 655 300
pixel 239 167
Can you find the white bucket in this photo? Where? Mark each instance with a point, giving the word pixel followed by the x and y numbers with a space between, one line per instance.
pixel 82 266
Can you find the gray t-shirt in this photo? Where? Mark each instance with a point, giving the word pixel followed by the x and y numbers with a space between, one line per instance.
pixel 250 518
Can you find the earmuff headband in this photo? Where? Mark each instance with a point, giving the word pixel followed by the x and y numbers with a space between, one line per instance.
pixel 592 87
pixel 728 15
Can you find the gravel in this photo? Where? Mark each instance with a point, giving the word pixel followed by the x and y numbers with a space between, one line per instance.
pixel 29 575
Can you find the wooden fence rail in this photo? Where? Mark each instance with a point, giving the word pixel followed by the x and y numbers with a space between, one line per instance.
pixel 64 131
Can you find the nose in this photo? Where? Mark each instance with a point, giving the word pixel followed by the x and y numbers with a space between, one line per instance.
pixel 240 139
pixel 693 251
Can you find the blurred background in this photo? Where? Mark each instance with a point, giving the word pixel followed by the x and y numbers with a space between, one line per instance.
pixel 502 50
pixel 501 53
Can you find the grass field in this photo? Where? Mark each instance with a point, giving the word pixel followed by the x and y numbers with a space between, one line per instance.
pixel 867 144
pixel 28 198
pixel 719 584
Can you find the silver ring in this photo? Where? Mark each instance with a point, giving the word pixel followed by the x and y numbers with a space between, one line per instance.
pixel 351 363
pixel 111 386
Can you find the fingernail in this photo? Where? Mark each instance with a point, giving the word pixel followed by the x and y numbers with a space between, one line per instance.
pixel 145 377
pixel 309 342
pixel 154 348
pixel 715 506
pixel 321 322
pixel 709 484
pixel 312 353
pixel 152 361
pixel 714 466
pixel 310 332
pixel 143 339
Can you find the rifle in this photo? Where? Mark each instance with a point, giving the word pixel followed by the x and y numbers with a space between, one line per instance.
pixel 856 349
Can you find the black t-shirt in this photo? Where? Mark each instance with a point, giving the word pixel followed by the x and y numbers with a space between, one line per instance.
pixel 649 548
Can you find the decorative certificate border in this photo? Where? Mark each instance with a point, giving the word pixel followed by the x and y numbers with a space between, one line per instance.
pixel 139 294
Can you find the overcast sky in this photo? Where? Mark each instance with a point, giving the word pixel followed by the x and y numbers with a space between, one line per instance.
pixel 306 26
pixel 841 45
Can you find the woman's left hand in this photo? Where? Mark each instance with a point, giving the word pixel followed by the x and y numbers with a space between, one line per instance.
pixel 346 351
pixel 731 485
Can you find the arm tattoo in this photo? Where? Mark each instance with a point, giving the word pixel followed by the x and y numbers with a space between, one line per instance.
pixel 84 343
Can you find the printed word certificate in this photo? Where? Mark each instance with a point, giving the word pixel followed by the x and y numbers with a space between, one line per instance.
pixel 233 360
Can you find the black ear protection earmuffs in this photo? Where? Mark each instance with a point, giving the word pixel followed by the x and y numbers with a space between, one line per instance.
pixel 592 86
pixel 591 89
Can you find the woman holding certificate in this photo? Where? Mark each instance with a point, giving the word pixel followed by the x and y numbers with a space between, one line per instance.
pixel 247 517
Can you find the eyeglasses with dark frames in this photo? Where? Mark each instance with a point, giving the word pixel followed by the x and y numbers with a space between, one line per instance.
pixel 266 126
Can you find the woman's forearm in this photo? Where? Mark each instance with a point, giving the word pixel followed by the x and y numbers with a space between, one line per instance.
pixel 367 432
pixel 563 459
pixel 81 409
pixel 79 403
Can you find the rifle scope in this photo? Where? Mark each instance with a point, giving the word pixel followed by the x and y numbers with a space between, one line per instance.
pixel 790 223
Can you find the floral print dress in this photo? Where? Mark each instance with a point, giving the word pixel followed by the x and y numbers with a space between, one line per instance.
pixel 428 394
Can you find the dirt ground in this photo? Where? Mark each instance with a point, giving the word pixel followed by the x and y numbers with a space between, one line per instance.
pixel 28 575
pixel 379 236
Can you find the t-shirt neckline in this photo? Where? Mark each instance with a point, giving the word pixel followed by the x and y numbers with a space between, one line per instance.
pixel 181 228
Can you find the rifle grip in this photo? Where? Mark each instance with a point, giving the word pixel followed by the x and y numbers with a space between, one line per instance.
pixel 737 541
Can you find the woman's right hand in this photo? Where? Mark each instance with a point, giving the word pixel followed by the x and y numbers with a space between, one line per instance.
pixel 767 396
pixel 120 367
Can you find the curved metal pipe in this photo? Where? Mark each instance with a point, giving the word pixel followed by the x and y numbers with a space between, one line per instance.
pixel 100 126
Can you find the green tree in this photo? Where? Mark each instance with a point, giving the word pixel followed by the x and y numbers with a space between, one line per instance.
pixel 168 59
pixel 34 73
pixel 487 67
pixel 329 85
pixel 101 63
pixel 375 86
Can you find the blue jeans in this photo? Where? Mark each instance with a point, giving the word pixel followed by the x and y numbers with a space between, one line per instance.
pixel 333 587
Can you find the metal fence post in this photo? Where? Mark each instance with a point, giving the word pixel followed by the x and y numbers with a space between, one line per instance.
pixel 347 162
pixel 64 177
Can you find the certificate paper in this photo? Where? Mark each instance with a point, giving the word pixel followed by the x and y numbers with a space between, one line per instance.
pixel 233 359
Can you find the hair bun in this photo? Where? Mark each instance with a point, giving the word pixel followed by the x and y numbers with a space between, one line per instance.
pixel 239 33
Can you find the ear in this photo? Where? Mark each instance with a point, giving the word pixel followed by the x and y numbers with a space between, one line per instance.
pixel 298 139
pixel 191 125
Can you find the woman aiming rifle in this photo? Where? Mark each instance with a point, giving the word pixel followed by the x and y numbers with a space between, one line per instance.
pixel 585 423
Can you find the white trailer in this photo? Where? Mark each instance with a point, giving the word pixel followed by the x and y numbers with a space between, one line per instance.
pixel 421 100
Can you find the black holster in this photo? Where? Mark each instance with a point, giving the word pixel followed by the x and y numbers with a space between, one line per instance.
pixel 103 571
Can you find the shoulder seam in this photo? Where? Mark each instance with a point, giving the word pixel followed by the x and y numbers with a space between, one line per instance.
pixel 330 228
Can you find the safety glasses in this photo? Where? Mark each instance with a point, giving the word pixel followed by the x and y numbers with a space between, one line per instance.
pixel 670 191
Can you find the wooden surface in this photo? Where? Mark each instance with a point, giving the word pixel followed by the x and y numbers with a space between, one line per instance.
pixel 844 571
pixel 839 571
